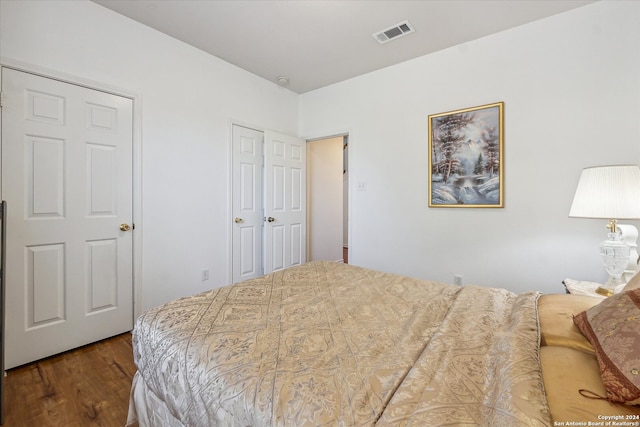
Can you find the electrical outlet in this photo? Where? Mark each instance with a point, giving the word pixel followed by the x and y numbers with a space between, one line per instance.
pixel 457 279
pixel 205 274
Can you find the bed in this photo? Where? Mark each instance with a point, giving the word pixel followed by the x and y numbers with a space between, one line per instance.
pixel 330 344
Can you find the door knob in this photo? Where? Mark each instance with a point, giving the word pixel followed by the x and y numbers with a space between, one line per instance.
pixel 271 219
pixel 238 220
pixel 125 227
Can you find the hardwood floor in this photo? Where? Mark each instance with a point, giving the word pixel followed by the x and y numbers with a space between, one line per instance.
pixel 88 386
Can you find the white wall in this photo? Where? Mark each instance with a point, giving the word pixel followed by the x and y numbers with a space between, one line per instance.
pixel 189 99
pixel 324 195
pixel 571 88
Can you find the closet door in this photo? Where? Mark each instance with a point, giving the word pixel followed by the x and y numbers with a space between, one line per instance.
pixel 67 176
pixel 285 230
pixel 268 202
pixel 247 190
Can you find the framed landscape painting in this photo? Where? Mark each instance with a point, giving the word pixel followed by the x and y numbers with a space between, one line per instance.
pixel 466 168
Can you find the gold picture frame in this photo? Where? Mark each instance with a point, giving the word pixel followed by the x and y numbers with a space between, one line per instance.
pixel 466 157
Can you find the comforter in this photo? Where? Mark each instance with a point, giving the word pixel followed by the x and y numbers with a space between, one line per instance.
pixel 333 344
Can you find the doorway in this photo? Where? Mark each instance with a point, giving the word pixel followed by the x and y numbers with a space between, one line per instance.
pixel 328 189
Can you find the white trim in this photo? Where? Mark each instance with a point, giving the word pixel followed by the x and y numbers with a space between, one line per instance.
pixel 137 156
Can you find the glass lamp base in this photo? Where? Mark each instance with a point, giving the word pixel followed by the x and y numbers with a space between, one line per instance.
pixel 604 291
pixel 615 257
pixel 609 288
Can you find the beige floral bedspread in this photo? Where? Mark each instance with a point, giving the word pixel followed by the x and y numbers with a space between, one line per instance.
pixel 328 344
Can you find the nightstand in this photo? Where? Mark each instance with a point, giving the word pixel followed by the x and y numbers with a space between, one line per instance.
pixel 580 287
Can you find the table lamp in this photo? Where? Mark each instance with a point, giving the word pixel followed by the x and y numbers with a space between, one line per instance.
pixel 613 193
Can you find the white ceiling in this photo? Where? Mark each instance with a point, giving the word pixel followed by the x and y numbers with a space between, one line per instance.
pixel 315 43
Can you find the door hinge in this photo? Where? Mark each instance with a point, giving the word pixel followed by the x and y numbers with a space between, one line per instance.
pixel 1 99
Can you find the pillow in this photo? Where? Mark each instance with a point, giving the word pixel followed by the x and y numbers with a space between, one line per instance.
pixel 555 312
pixel 633 283
pixel 613 328
pixel 564 370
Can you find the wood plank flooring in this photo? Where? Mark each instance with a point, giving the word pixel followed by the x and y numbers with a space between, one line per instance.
pixel 85 387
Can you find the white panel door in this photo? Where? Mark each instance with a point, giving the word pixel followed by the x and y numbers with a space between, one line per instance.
pixel 67 179
pixel 247 183
pixel 285 201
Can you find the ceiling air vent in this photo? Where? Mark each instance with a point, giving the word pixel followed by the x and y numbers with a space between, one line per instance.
pixel 394 32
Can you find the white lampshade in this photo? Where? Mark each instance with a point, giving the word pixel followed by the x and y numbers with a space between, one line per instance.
pixel 610 192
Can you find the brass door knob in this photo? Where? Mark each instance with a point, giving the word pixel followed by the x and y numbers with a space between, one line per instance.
pixel 125 227
pixel 238 220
